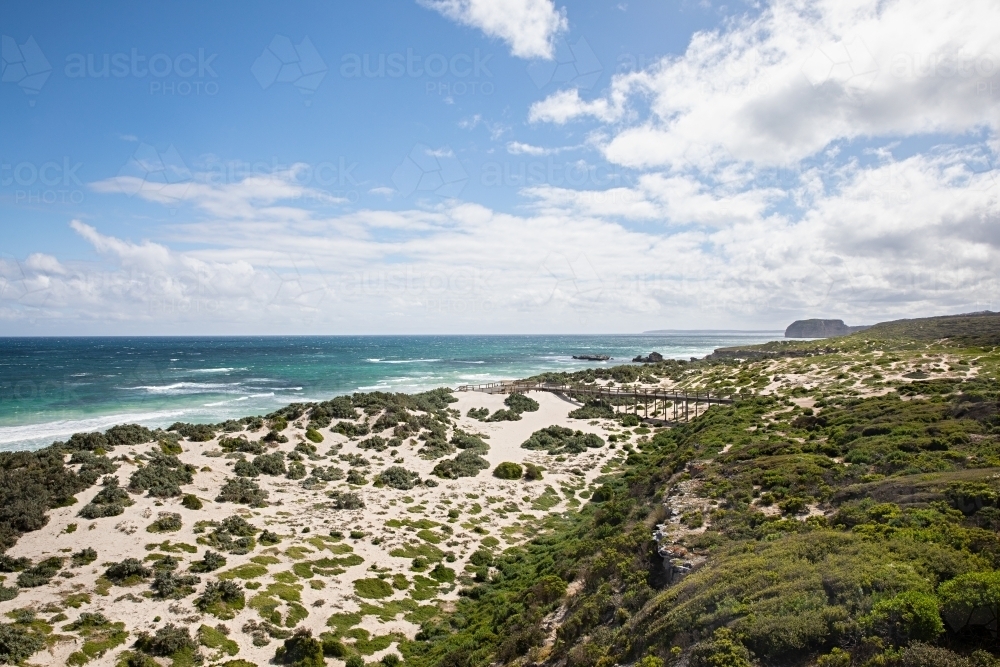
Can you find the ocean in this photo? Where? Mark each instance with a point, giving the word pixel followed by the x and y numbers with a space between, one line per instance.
pixel 53 387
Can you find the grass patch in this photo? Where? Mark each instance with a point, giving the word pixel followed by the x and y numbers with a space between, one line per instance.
pixel 341 622
pixel 547 500
pixel 215 639
pixel 426 551
pixel 372 589
pixel 245 571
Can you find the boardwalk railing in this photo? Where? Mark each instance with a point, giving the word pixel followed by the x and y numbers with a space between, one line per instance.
pixel 684 404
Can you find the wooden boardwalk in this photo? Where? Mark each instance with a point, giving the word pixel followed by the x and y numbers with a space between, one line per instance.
pixel 684 405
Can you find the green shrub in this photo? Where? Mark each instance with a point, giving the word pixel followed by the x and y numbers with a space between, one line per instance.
pixel 313 435
pixel 301 650
pixel 127 571
pixel 126 435
pixel 354 661
pixel 306 448
pixel 40 574
pixel 971 599
pixel 502 415
pixel 390 660
pixel 397 477
pixel 478 413
pixel 442 573
pixel 270 464
pixel 467 441
pixel 242 491
pixel 339 408
pixel 521 403
pixel 91 442
pixel 238 526
pixel 561 440
pixel 375 443
pixel 135 659
pixel 244 468
pixel 191 502
pixel 532 473
pixel 241 444
pixel 467 464
pixel 167 641
pixel 209 562
pixel 372 588
pixel 350 429
pixel 168 585
pixel 222 599
pixel 593 409
pixel 346 500
pixel 722 650
pixel 275 437
pixel 508 470
pixel 171 447
pixel 333 647
pixel 481 557
pixel 162 477
pixel 268 538
pixel 18 644
pixel 111 500
pixel 906 617
pixel 629 421
pixel 10 564
pixel 193 432
pixel 356 477
pixel 296 470
pixel 166 522
pixel 84 557
pixel 31 483
pixel 8 592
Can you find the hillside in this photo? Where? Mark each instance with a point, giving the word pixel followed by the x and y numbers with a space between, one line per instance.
pixel 844 512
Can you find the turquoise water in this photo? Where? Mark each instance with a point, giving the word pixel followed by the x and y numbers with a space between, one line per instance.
pixel 53 387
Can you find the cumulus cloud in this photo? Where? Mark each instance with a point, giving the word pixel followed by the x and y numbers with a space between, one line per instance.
pixel 566 105
pixel 528 26
pixel 887 239
pixel 800 162
pixel 779 87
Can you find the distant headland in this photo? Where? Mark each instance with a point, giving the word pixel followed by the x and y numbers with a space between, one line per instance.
pixel 820 329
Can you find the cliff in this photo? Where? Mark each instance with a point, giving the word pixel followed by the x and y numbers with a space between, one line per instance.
pixel 820 329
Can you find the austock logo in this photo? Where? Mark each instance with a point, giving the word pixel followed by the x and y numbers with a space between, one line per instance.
pixel 430 171
pixel 283 62
pixel 24 65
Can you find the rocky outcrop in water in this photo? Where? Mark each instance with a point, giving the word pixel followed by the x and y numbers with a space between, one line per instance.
pixel 651 359
pixel 592 357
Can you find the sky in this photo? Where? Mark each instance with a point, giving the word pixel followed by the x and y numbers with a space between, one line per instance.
pixel 495 166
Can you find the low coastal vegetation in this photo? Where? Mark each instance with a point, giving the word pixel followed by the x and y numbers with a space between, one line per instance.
pixel 844 511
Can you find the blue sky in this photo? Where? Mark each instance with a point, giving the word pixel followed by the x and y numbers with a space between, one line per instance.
pixel 507 166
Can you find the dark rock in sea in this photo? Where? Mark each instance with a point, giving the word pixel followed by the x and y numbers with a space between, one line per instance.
pixel 651 359
pixel 820 329
pixel 592 357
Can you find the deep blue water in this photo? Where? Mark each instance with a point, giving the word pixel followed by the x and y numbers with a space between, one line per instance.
pixel 53 387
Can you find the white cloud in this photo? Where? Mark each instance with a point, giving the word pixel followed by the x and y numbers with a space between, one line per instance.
pixel 861 242
pixel 521 148
pixel 766 189
pixel 566 105
pixel 528 26
pixel 780 87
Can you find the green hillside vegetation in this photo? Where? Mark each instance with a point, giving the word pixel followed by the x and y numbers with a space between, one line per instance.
pixel 862 530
